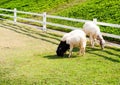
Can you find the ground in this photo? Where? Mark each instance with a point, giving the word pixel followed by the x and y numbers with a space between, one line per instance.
pixel 28 57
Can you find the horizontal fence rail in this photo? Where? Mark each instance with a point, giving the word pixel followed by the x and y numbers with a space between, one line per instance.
pixel 45 16
pixel 30 13
pixel 7 15
pixel 69 19
pixel 108 24
pixel 63 26
pixel 80 20
pixel 6 10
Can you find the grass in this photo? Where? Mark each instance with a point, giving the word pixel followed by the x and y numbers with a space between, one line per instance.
pixel 28 58
pixel 34 5
pixel 105 11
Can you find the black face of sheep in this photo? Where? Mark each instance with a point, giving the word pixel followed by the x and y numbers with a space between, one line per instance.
pixel 62 48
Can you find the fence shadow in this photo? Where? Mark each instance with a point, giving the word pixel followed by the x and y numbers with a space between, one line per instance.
pixel 92 51
pixel 48 37
pixel 106 57
pixel 108 52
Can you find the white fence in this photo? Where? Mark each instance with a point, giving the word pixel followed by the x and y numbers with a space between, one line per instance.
pixel 45 16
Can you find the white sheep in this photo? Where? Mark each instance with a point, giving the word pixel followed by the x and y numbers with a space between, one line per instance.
pixel 93 31
pixel 76 38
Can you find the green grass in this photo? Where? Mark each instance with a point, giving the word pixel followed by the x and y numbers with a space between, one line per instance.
pixel 33 5
pixel 27 57
pixel 105 11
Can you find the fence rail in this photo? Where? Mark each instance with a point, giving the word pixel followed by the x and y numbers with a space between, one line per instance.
pixel 80 20
pixel 30 13
pixel 7 15
pixel 108 24
pixel 45 16
pixel 65 18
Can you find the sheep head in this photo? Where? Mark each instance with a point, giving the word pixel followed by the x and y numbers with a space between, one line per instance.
pixel 102 44
pixel 62 48
pixel 102 41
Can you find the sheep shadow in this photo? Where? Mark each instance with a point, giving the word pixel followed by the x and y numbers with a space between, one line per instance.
pixel 54 56
pixel 74 55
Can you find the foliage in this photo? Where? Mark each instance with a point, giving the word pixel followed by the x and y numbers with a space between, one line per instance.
pixel 32 5
pixel 104 10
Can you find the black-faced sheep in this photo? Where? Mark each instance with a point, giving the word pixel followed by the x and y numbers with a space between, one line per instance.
pixel 93 31
pixel 76 38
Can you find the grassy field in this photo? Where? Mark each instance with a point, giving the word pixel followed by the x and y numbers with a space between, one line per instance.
pixel 27 57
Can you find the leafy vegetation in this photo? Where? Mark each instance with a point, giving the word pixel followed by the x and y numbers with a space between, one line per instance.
pixel 105 11
pixel 28 58
pixel 33 5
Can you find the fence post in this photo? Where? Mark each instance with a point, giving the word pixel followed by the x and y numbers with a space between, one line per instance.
pixel 44 21
pixel 95 20
pixel 15 15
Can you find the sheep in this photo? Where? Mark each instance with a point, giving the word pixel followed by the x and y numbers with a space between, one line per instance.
pixel 93 31
pixel 75 38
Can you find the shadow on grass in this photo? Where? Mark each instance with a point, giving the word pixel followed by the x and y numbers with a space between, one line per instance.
pixel 106 57
pixel 31 33
pixel 59 57
pixel 95 51
pixel 75 50
pixel 101 54
pixel 47 36
pixel 111 53
pixel 54 57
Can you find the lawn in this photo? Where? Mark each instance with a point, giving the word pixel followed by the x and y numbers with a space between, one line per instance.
pixel 27 57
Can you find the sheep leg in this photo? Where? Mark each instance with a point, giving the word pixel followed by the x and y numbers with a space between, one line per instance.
pixel 90 38
pixel 70 51
pixel 91 41
pixel 82 51
pixel 95 39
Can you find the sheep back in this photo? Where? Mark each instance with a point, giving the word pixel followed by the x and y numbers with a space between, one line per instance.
pixel 75 37
pixel 91 28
